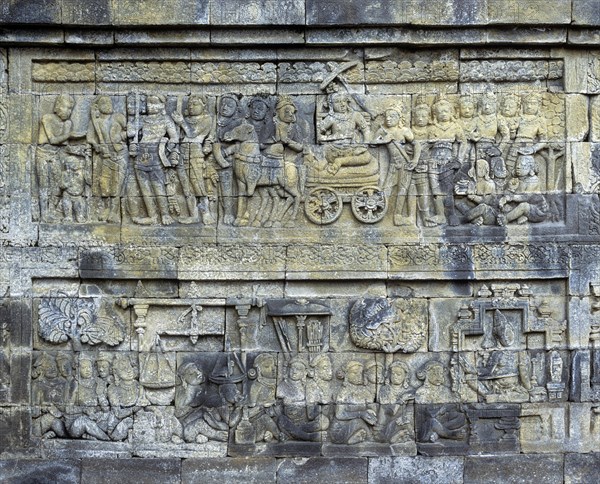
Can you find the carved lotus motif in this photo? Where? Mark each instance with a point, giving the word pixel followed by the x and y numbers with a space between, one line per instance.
pixel 388 325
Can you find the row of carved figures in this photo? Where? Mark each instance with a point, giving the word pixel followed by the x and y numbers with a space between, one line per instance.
pixel 254 161
pixel 352 398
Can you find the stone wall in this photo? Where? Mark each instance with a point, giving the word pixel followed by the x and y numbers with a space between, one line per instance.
pixel 296 241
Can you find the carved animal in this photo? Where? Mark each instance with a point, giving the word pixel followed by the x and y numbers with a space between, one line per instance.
pixel 253 170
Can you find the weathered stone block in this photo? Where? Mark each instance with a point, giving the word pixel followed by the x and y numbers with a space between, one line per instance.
pixel 31 12
pixel 234 470
pixel 531 12
pixel 586 12
pixel 160 12
pixel 581 468
pixel 42 471
pixel 436 470
pixel 92 12
pixel 514 469
pixel 262 12
pixel 347 470
pixel 115 470
pixel 328 12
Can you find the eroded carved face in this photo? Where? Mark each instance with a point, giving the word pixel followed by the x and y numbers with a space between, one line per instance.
pixel 63 108
pixel 124 369
pixel 443 112
pixel 324 369
pixel 154 105
pixel 193 375
pixel 268 368
pixel 258 110
pixel 397 375
pixel 297 371
pixel 86 369
pixel 467 109
pixel 435 375
pixel 525 166
pixel 421 116
pixel 105 105
pixel 488 106
pixel 287 114
pixel 354 373
pixel 195 106
pixel 340 104
pixel 392 118
pixel 510 107
pixel 227 107
pixel 103 368
pixel 531 105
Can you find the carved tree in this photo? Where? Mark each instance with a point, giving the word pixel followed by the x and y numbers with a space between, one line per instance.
pixel 63 318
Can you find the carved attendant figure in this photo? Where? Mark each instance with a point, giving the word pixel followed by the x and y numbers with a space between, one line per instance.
pixel 107 133
pixel 56 130
pixel 198 161
pixel 344 127
pixel 156 150
pixel 402 163
pixel 449 147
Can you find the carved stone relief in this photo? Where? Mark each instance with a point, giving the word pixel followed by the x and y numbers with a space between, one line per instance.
pixel 491 156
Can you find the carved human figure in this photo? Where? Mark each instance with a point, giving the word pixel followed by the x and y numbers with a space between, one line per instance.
pixel 153 146
pixel 354 416
pixel 196 407
pixel 75 184
pixel 490 127
pixel 289 140
pixel 434 388
pixel 447 153
pixel 124 395
pixel 318 387
pixel 48 385
pixel 107 133
pixel 343 129
pixel 87 395
pixel 299 420
pixel 480 208
pixel 421 120
pixel 532 131
pixel 260 116
pixel 55 133
pixel 467 108
pixel 64 361
pixel 502 377
pixel 524 202
pixel 262 400
pixel 509 111
pixel 393 420
pixel 197 148
pixel 228 117
pixel 403 154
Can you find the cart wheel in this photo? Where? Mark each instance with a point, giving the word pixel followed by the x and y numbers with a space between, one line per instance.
pixel 369 205
pixel 323 206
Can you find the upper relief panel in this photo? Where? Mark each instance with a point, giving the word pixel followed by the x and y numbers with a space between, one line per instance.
pixel 197 144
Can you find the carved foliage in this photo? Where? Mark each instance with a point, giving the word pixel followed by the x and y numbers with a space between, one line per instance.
pixel 63 318
pixel 390 326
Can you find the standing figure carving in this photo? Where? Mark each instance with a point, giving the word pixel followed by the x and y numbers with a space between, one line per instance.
pixel 197 173
pixel 228 118
pixel 107 133
pixel 404 153
pixel 153 148
pixel 448 150
pixel 55 134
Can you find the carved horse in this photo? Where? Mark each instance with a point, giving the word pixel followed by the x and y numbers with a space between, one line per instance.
pixel 253 171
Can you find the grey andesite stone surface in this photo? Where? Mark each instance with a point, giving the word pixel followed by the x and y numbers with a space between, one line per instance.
pixel 299 241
